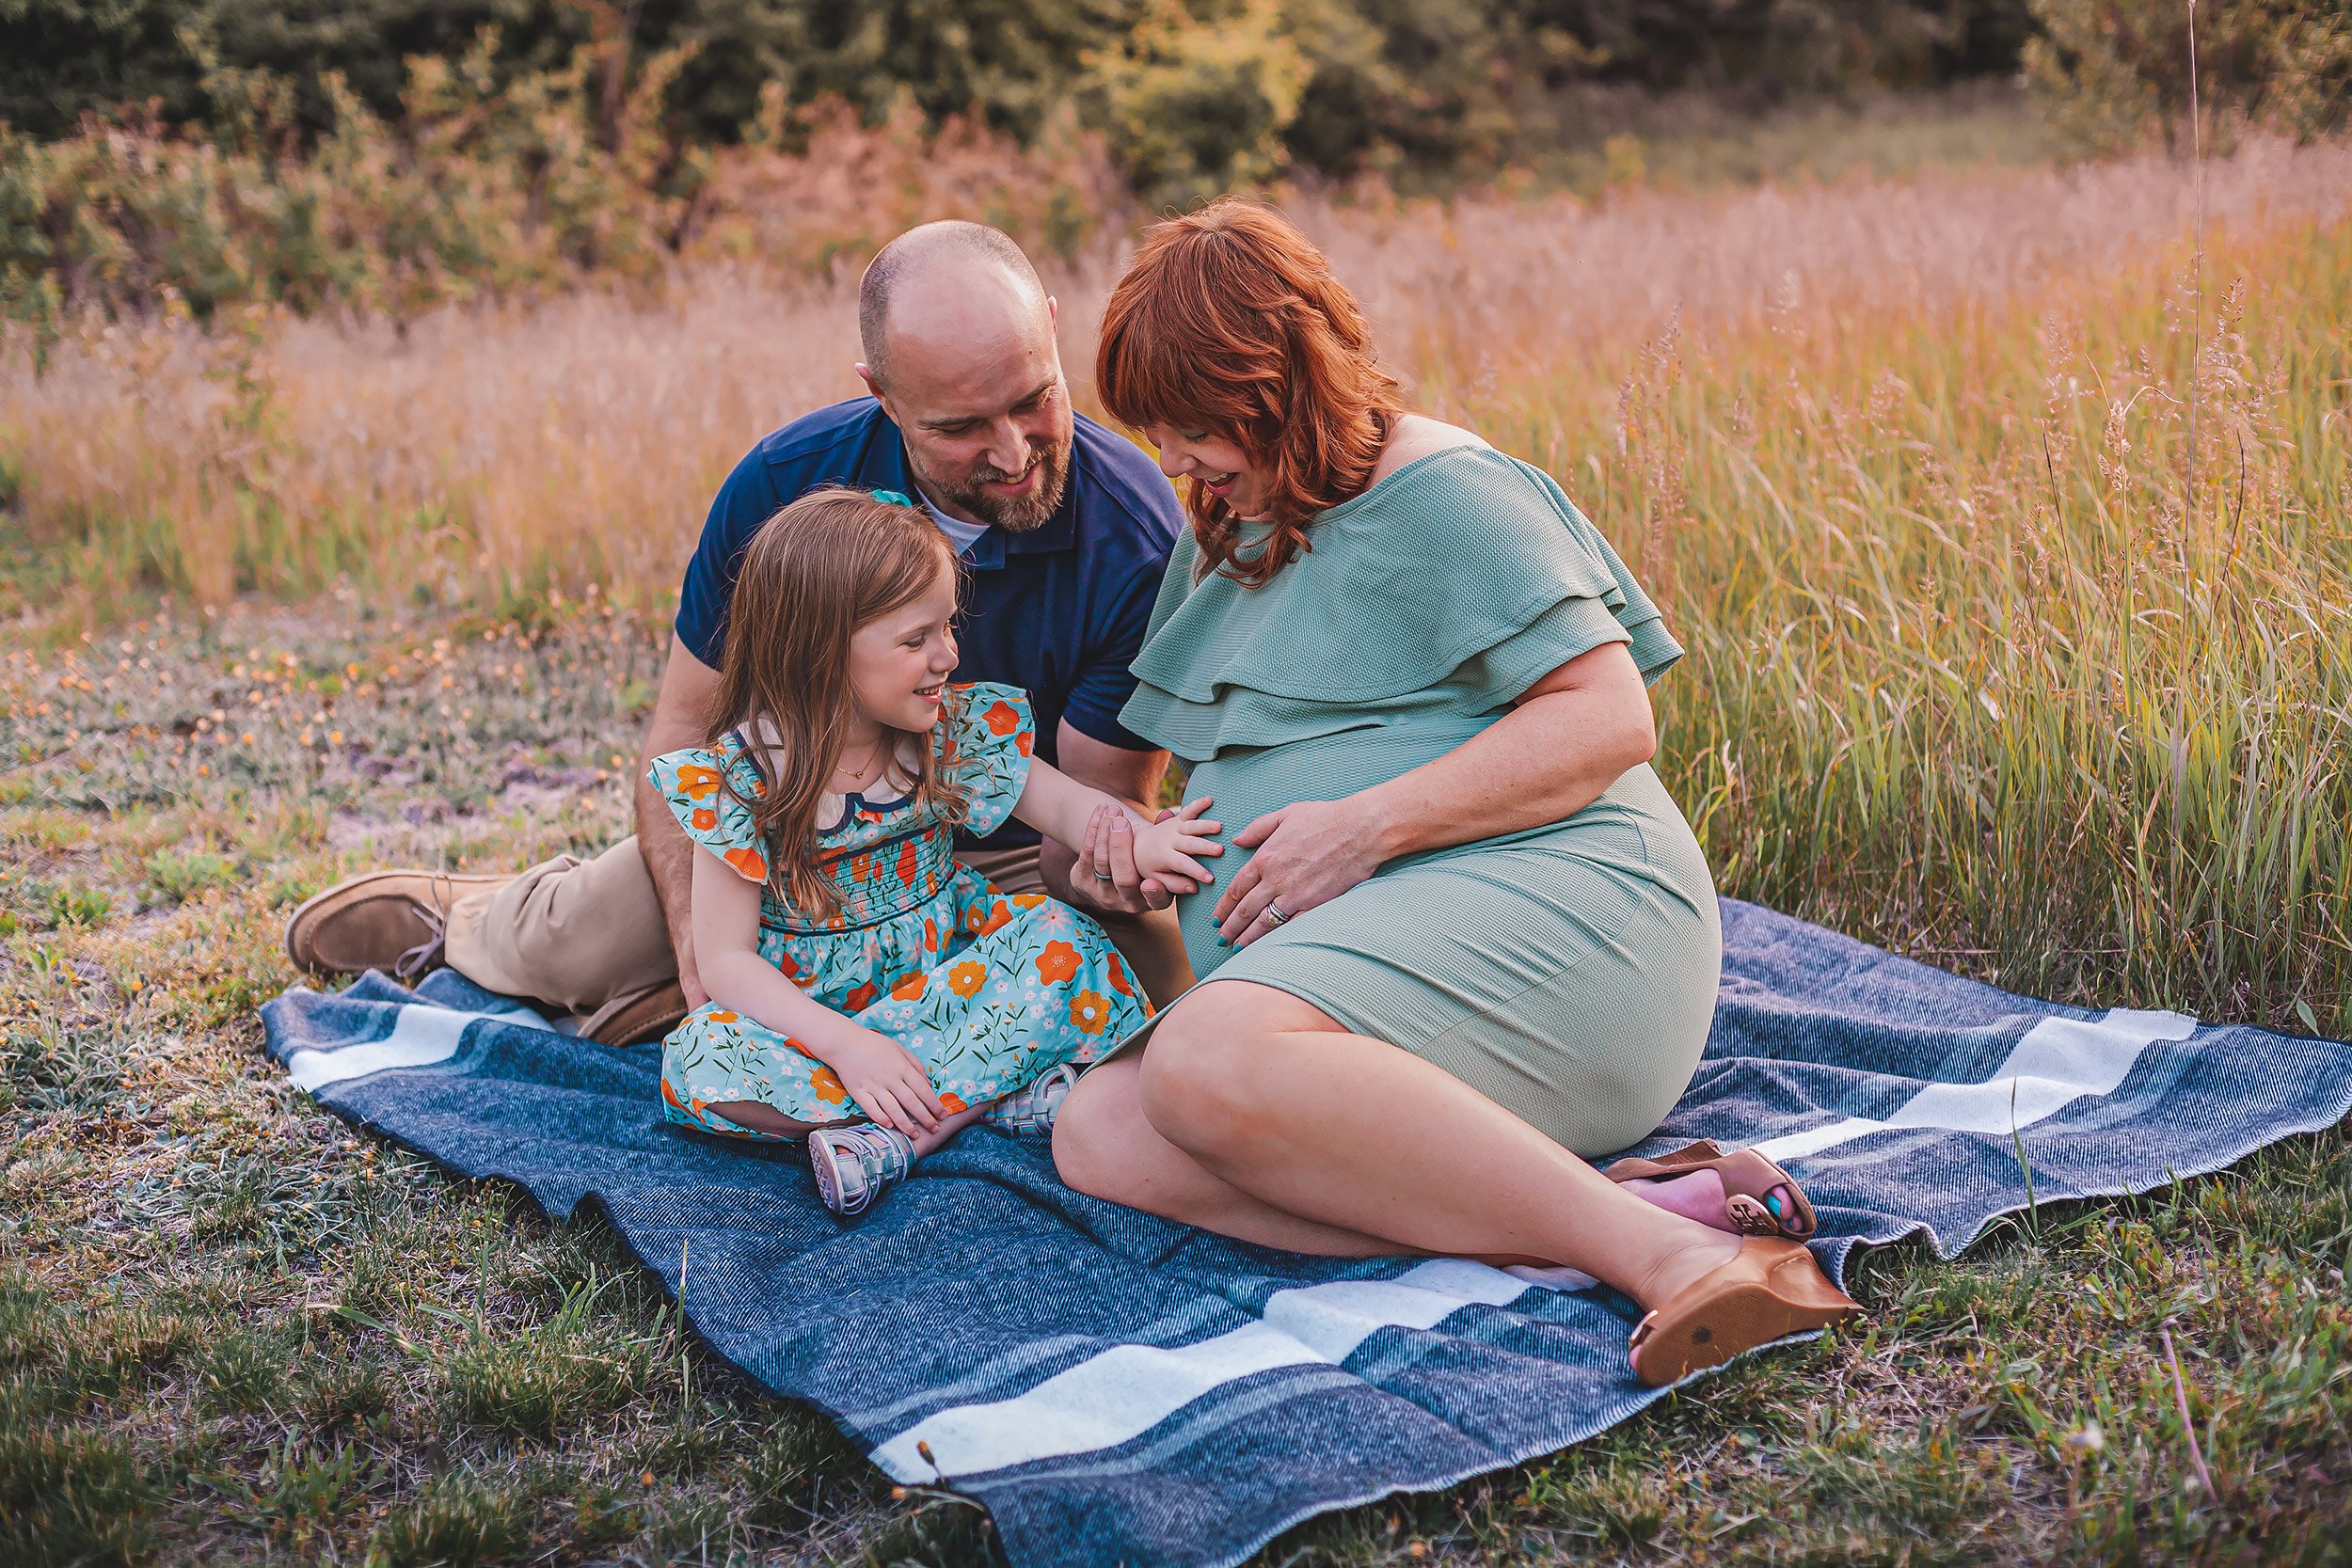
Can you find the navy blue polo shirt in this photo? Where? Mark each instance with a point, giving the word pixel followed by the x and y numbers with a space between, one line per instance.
pixel 1058 610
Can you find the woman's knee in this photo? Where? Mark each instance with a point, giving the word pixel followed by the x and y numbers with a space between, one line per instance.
pixel 1098 1120
pixel 1196 1086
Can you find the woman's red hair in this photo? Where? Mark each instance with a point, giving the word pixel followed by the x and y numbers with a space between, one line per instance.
pixel 1230 320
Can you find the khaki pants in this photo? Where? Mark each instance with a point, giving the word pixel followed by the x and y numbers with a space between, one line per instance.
pixel 578 933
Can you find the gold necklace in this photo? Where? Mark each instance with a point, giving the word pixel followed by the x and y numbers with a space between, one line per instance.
pixel 857 775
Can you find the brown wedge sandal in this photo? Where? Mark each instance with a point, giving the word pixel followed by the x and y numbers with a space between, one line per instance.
pixel 1751 1183
pixel 1772 1290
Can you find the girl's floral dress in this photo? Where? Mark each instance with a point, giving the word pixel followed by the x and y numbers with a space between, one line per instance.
pixel 987 991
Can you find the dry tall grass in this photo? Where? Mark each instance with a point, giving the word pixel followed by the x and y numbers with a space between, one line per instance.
pixel 1906 459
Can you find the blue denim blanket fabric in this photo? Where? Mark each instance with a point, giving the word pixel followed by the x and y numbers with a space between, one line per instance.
pixel 1119 1389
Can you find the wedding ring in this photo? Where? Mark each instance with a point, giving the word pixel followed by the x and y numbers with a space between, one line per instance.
pixel 1103 877
pixel 1273 913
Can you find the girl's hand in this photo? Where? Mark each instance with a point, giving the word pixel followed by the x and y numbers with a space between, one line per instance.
pixel 887 1083
pixel 1105 875
pixel 1308 855
pixel 1164 851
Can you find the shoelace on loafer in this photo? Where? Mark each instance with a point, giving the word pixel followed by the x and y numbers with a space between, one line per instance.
pixel 426 954
pixel 429 954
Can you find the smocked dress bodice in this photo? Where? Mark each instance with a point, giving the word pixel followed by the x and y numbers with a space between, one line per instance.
pixel 904 901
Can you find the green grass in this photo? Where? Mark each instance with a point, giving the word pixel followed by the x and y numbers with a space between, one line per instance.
pixel 231 1328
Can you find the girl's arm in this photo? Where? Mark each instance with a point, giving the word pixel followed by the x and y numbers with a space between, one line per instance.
pixel 1064 809
pixel 882 1075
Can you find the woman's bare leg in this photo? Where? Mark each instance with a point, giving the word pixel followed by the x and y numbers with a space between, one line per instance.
pixel 1271 1099
pixel 1103 1145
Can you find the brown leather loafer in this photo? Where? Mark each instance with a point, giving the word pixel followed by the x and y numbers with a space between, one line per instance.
pixel 387 920
pixel 644 1014
pixel 1772 1290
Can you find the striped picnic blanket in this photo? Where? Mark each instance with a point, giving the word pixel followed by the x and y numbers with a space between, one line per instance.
pixel 1119 1389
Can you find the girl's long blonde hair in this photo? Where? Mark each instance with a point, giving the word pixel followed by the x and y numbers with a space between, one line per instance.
pixel 813 575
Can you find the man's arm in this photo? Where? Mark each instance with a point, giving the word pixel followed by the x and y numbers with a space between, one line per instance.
pixel 1132 776
pixel 680 717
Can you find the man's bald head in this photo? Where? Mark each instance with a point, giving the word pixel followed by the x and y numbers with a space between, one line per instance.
pixel 958 340
pixel 965 265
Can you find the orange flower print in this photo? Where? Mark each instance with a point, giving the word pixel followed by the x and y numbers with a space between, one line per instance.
pixel 911 988
pixel 1090 1011
pixel 1058 962
pixel 859 999
pixel 750 864
pixel 721 1016
pixel 697 782
pixel 671 1095
pixel 1024 743
pixel 704 818
pixel 796 1045
pixel 907 864
pixel 1118 978
pixel 964 979
pixel 828 1085
pixel 1027 900
pixel 951 1102
pixel 998 912
pixel 861 866
pixel 1003 718
pixel 930 935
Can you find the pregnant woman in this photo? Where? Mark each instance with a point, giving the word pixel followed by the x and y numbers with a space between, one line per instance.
pixel 1463 939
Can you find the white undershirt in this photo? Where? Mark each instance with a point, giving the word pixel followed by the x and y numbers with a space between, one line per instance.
pixel 958 532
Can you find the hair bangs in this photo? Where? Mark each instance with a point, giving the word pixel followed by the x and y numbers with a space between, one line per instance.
pixel 1230 319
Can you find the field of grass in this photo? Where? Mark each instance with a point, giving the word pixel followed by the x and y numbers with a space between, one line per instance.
pixel 1986 665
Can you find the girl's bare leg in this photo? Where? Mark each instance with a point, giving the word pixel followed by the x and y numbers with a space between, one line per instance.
pixel 1269 1099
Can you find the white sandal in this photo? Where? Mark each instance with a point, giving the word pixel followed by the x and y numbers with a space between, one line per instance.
pixel 855 1164
pixel 1032 1108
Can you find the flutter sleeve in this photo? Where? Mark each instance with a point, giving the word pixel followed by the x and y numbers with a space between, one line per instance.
pixel 1458 583
pixel 991 740
pixel 694 782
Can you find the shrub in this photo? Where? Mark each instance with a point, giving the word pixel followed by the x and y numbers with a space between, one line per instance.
pixel 2116 72
pixel 1195 107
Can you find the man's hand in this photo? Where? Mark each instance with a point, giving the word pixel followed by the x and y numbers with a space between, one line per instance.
pixel 1132 776
pixel 679 719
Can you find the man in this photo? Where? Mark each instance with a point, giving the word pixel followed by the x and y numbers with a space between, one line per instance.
pixel 1064 529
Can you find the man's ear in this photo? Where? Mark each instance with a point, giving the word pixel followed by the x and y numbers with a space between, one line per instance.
pixel 866 373
pixel 1053 311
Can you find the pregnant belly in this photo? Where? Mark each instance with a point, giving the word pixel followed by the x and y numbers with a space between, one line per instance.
pixel 1247 785
pixel 1635 824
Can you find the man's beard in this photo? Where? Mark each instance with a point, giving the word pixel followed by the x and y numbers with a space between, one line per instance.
pixel 1013 513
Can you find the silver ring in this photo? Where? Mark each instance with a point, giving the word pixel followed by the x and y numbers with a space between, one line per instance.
pixel 1273 913
pixel 1105 876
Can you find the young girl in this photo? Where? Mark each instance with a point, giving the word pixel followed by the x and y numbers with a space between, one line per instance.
pixel 866 991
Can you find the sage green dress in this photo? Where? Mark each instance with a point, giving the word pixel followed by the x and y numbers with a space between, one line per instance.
pixel 1567 972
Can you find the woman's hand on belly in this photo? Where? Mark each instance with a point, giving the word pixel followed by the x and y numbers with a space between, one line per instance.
pixel 1306 854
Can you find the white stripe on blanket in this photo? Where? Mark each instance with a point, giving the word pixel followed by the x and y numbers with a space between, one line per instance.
pixel 1128 1389
pixel 2057 1061
pixel 422 1035
pixel 1125 1390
